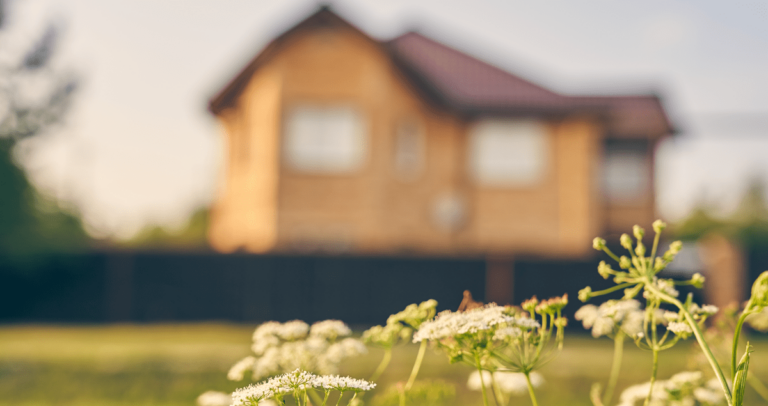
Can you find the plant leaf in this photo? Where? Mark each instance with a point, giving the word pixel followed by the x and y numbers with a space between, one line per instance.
pixel 740 381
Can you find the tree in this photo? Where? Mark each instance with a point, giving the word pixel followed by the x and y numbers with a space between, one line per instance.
pixel 31 223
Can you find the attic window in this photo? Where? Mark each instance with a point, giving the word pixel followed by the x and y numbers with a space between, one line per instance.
pixel 508 153
pixel 324 139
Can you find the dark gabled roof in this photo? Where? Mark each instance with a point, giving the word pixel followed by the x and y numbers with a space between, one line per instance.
pixel 466 85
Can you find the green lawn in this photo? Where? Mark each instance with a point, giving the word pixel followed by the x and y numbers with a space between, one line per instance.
pixel 172 364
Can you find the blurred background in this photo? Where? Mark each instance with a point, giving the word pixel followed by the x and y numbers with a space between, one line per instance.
pixel 232 162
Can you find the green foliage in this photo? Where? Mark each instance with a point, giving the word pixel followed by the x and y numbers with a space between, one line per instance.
pixel 30 223
pixel 748 224
pixel 191 236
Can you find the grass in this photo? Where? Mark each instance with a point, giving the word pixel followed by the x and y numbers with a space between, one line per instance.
pixel 117 365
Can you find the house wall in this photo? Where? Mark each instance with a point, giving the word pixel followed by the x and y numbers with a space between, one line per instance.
pixel 558 215
pixel 369 210
pixel 245 214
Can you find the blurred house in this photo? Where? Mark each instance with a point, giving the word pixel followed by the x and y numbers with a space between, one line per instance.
pixel 340 143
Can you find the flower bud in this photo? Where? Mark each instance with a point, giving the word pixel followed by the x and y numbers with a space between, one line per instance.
pixel 659 226
pixel 760 291
pixel 673 250
pixel 585 294
pixel 604 270
pixel 626 241
pixel 658 265
pixel 530 304
pixel 598 243
pixel 675 247
pixel 638 232
pixel 640 250
pixel 624 262
pixel 697 280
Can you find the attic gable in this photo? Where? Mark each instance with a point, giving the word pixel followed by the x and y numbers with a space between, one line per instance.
pixel 322 18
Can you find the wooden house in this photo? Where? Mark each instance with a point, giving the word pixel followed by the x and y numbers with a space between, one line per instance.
pixel 340 143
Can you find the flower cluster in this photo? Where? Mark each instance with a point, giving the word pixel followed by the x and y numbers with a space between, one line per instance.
pixel 611 317
pixel 281 347
pixel 400 326
pixel 449 324
pixel 684 388
pixel 297 383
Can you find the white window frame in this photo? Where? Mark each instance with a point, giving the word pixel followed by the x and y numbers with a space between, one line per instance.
pixel 312 152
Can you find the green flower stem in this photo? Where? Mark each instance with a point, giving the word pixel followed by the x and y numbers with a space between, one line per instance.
pixel 618 353
pixel 736 334
pixel 383 365
pixel 315 397
pixel 653 376
pixel 416 365
pixel 700 338
pixel 325 398
pixel 482 381
pixel 612 289
pixel 497 395
pixel 530 389
pixel 341 395
pixel 353 398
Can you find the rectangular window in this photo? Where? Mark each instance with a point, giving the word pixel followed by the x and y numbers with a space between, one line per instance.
pixel 325 139
pixel 508 153
pixel 626 172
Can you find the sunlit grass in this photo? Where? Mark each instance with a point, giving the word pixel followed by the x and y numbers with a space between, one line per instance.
pixel 172 364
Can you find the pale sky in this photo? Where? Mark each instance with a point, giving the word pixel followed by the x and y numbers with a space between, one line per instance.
pixel 139 147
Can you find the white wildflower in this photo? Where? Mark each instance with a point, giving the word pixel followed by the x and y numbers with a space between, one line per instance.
pixel 603 326
pixel 708 396
pixel 686 378
pixel 268 364
pixel 296 380
pixel 213 398
pixel 263 343
pixel 293 330
pixel 329 329
pixel 587 314
pixel 506 333
pixel 633 323
pixel 671 316
pixel 636 393
pixel 680 328
pixel 238 370
pixel 271 328
pixel 343 383
pixel 709 310
pixel 450 324
pixel 508 382
pixel 526 323
pixel 605 319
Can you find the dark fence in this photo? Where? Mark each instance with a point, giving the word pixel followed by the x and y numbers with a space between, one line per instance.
pixel 154 287
pixel 150 287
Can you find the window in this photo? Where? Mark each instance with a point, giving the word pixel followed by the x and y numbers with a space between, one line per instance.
pixel 409 150
pixel 625 170
pixel 508 152
pixel 323 139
